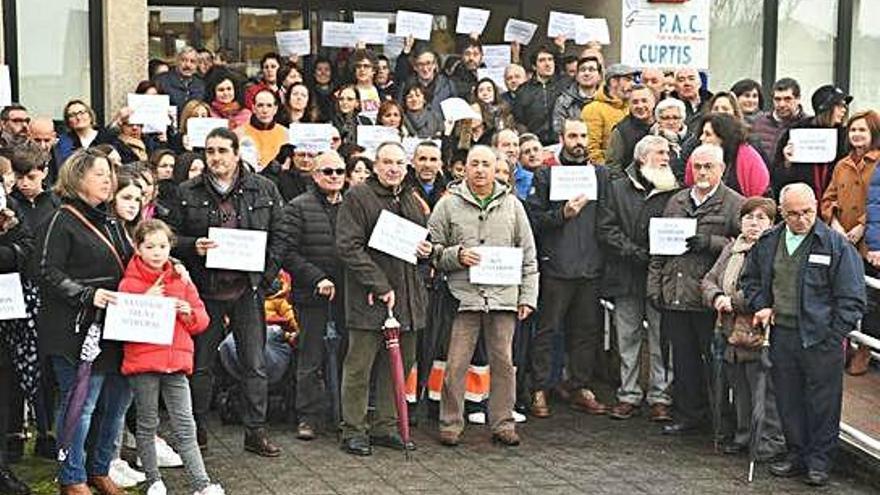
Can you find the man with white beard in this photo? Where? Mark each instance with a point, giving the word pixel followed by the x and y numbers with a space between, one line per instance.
pixel 623 230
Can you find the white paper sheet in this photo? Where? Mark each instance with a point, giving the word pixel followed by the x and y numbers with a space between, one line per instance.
pixel 813 145
pixel 496 74
pixel 140 318
pixel 294 42
pixel 372 31
pixel 5 86
pixel 397 236
pixel 12 306
pixel 338 34
pixel 587 30
pixel 456 109
pixel 237 249
pixel 197 129
pixel 562 24
pixel 498 266
pixel 567 182
pixel 519 31
pixel 496 55
pixel 311 137
pixel 371 136
pixel 393 46
pixel 471 20
pixel 417 24
pixel 411 143
pixel 668 236
pixel 149 110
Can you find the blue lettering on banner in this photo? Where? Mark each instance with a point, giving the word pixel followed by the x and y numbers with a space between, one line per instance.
pixel 677 26
pixel 671 55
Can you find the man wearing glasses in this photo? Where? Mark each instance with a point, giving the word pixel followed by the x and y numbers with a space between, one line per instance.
pixel 423 68
pixel 14 123
pixel 630 130
pixel 309 238
pixel 805 281
pixel 364 72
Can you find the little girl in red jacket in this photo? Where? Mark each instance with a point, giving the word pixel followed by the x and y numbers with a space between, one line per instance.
pixel 159 369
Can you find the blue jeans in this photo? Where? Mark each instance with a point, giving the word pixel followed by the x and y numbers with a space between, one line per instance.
pixel 115 396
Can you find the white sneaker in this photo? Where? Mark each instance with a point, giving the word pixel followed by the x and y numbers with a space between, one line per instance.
pixel 517 417
pixel 213 489
pixel 477 418
pixel 166 457
pixel 157 488
pixel 123 475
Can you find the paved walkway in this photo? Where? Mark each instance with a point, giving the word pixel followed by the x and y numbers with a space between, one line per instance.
pixel 570 453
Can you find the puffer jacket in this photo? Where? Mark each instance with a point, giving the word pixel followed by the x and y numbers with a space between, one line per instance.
pixel 459 222
pixel 569 105
pixel 601 115
pixel 369 271
pixel 872 213
pixel 309 236
pixel 154 358
pixel 675 280
pixel 623 231
pixel 533 106
pixel 258 205
pixel 766 129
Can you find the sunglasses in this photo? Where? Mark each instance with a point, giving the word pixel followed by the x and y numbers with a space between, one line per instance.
pixel 330 171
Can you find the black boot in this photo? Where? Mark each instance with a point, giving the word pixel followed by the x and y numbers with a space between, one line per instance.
pixel 257 441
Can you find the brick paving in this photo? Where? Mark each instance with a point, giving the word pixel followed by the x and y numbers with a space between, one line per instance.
pixel 571 453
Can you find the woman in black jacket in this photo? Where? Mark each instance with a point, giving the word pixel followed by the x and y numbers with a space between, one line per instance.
pixel 82 254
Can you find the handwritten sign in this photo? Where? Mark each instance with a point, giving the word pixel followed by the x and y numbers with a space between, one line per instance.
pixel 397 236
pixel 237 249
pixel 372 31
pixel 456 109
pixel 293 42
pixel 496 74
pixel 311 137
pixel 197 129
pixel 665 34
pixel 471 20
pixel 567 182
pixel 393 45
pixel 813 145
pixel 496 55
pixel 520 31
pixel 498 266
pixel 149 110
pixel 415 24
pixel 140 318
pixel 668 236
pixel 562 24
pixel 587 30
pixel 12 306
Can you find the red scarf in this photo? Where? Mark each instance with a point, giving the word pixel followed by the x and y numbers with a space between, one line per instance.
pixel 226 109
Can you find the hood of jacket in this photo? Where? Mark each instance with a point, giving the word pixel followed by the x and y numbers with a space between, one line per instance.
pixel 604 97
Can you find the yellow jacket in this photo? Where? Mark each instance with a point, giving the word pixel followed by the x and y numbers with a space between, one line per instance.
pixel 601 115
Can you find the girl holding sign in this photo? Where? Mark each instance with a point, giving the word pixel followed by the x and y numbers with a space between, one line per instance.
pixel 157 369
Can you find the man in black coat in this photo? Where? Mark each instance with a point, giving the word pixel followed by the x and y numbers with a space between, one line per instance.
pixel 229 196
pixel 630 131
pixel 309 237
pixel 533 105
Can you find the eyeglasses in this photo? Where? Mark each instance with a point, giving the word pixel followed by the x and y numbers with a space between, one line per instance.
pixel 800 214
pixel 330 171
pixel 78 113
pixel 670 117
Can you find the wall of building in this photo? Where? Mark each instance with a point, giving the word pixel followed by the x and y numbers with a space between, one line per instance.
pixel 125 50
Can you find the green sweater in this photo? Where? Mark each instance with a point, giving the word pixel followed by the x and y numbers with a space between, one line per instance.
pixel 786 276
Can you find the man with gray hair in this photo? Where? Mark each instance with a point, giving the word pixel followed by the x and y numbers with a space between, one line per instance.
pixel 805 281
pixel 674 282
pixel 514 77
pixel 632 201
pixel 183 83
pixel 481 213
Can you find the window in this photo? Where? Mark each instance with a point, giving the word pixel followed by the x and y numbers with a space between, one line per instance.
pixel 735 47
pixel 172 28
pixel 865 68
pixel 256 32
pixel 53 54
pixel 805 49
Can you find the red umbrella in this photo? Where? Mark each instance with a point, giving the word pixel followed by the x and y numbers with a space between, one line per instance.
pixel 391 330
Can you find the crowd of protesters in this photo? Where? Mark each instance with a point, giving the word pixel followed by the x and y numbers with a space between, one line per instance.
pixel 90 211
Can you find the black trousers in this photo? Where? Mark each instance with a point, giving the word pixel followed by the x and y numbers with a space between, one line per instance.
pixel 247 322
pixel 690 333
pixel 7 389
pixel 313 395
pixel 809 389
pixel 571 306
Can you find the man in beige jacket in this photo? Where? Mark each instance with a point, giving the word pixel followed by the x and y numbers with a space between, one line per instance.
pixel 479 214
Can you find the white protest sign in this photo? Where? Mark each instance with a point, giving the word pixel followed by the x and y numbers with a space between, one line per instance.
pixel 310 137
pixel 665 35
pixel 397 236
pixel 393 45
pixel 562 24
pixel 813 145
pixel 197 129
pixel 567 182
pixel 149 110
pixel 519 31
pixel 411 143
pixel 294 42
pixel 5 86
pixel 456 109
pixel 140 318
pixel 497 266
pixel 372 31
pixel 496 55
pixel 587 30
pixel 12 305
pixel 471 20
pixel 668 236
pixel 338 34
pixel 237 249
pixel 496 74
pixel 371 136
pixel 416 24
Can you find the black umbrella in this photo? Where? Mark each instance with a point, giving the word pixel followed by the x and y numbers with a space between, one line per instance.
pixel 331 363
pixel 759 407
pixel 716 383
pixel 434 341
